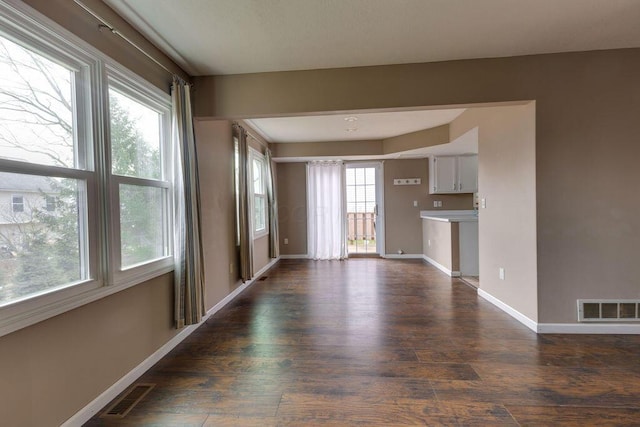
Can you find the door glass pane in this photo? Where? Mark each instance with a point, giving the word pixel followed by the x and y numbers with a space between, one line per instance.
pixel 142 231
pixel 370 176
pixel 36 108
pixel 41 249
pixel 351 176
pixel 361 202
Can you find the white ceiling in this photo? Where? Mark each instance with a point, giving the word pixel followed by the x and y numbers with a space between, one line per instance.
pixel 365 126
pixel 212 37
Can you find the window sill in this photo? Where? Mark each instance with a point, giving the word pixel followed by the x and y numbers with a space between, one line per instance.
pixel 260 234
pixel 52 304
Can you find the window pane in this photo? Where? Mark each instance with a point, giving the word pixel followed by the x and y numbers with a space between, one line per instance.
pixel 40 250
pixel 36 108
pixel 142 231
pixel 258 187
pixel 135 138
pixel 50 203
pixel 351 177
pixel 260 210
pixel 370 176
pixel 17 203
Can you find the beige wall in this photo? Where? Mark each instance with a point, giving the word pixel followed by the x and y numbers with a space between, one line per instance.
pixel 507 182
pixel 260 253
pixel 292 206
pixel 402 219
pixel 327 148
pixel 397 144
pixel 216 167
pixel 586 120
pixel 54 368
pixel 441 243
pixel 410 141
pixel 215 163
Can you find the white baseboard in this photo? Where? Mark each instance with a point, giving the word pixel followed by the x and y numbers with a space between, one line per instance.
pixel 294 256
pixel 588 328
pixel 563 328
pixel 531 324
pixel 441 267
pixel 402 256
pixel 121 385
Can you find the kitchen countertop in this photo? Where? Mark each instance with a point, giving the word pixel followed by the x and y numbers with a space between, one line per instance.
pixel 451 216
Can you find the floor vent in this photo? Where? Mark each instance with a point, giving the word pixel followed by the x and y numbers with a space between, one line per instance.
pixel 263 278
pixel 122 406
pixel 608 310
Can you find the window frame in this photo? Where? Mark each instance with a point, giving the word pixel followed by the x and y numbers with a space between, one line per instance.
pixel 130 85
pixel 50 203
pixel 29 28
pixel 255 155
pixel 14 203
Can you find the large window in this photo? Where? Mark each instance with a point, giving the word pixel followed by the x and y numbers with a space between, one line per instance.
pixel 139 151
pixel 259 193
pixel 43 144
pixel 84 183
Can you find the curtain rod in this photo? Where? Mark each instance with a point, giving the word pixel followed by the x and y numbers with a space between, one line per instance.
pixel 255 138
pixel 107 25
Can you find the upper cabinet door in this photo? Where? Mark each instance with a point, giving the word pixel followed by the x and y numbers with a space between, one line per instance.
pixel 445 177
pixel 467 174
pixel 453 174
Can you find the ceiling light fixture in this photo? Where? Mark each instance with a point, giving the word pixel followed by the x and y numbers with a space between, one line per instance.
pixel 351 129
pixel 351 119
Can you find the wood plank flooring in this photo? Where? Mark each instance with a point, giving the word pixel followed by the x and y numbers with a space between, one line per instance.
pixel 383 343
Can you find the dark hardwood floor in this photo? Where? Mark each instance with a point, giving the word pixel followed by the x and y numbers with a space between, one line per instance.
pixel 383 342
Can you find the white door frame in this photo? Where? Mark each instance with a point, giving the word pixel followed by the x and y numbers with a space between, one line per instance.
pixel 380 217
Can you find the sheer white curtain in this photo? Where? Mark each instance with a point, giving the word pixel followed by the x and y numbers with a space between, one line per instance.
pixel 326 237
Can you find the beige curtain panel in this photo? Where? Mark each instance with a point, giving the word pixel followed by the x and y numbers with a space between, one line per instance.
pixel 189 272
pixel 246 240
pixel 272 200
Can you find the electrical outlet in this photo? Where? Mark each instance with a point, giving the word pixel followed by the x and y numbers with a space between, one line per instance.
pixel 501 273
pixel 415 203
pixel 286 241
pixel 435 203
pixel 483 203
pixel 428 242
pixel 439 203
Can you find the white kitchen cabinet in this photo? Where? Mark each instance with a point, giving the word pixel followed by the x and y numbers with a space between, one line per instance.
pixel 453 174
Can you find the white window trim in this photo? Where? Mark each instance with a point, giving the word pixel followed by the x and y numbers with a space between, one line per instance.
pixel 27 26
pixel 255 154
pixel 134 87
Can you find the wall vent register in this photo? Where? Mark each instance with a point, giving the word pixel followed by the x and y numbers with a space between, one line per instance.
pixel 608 310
